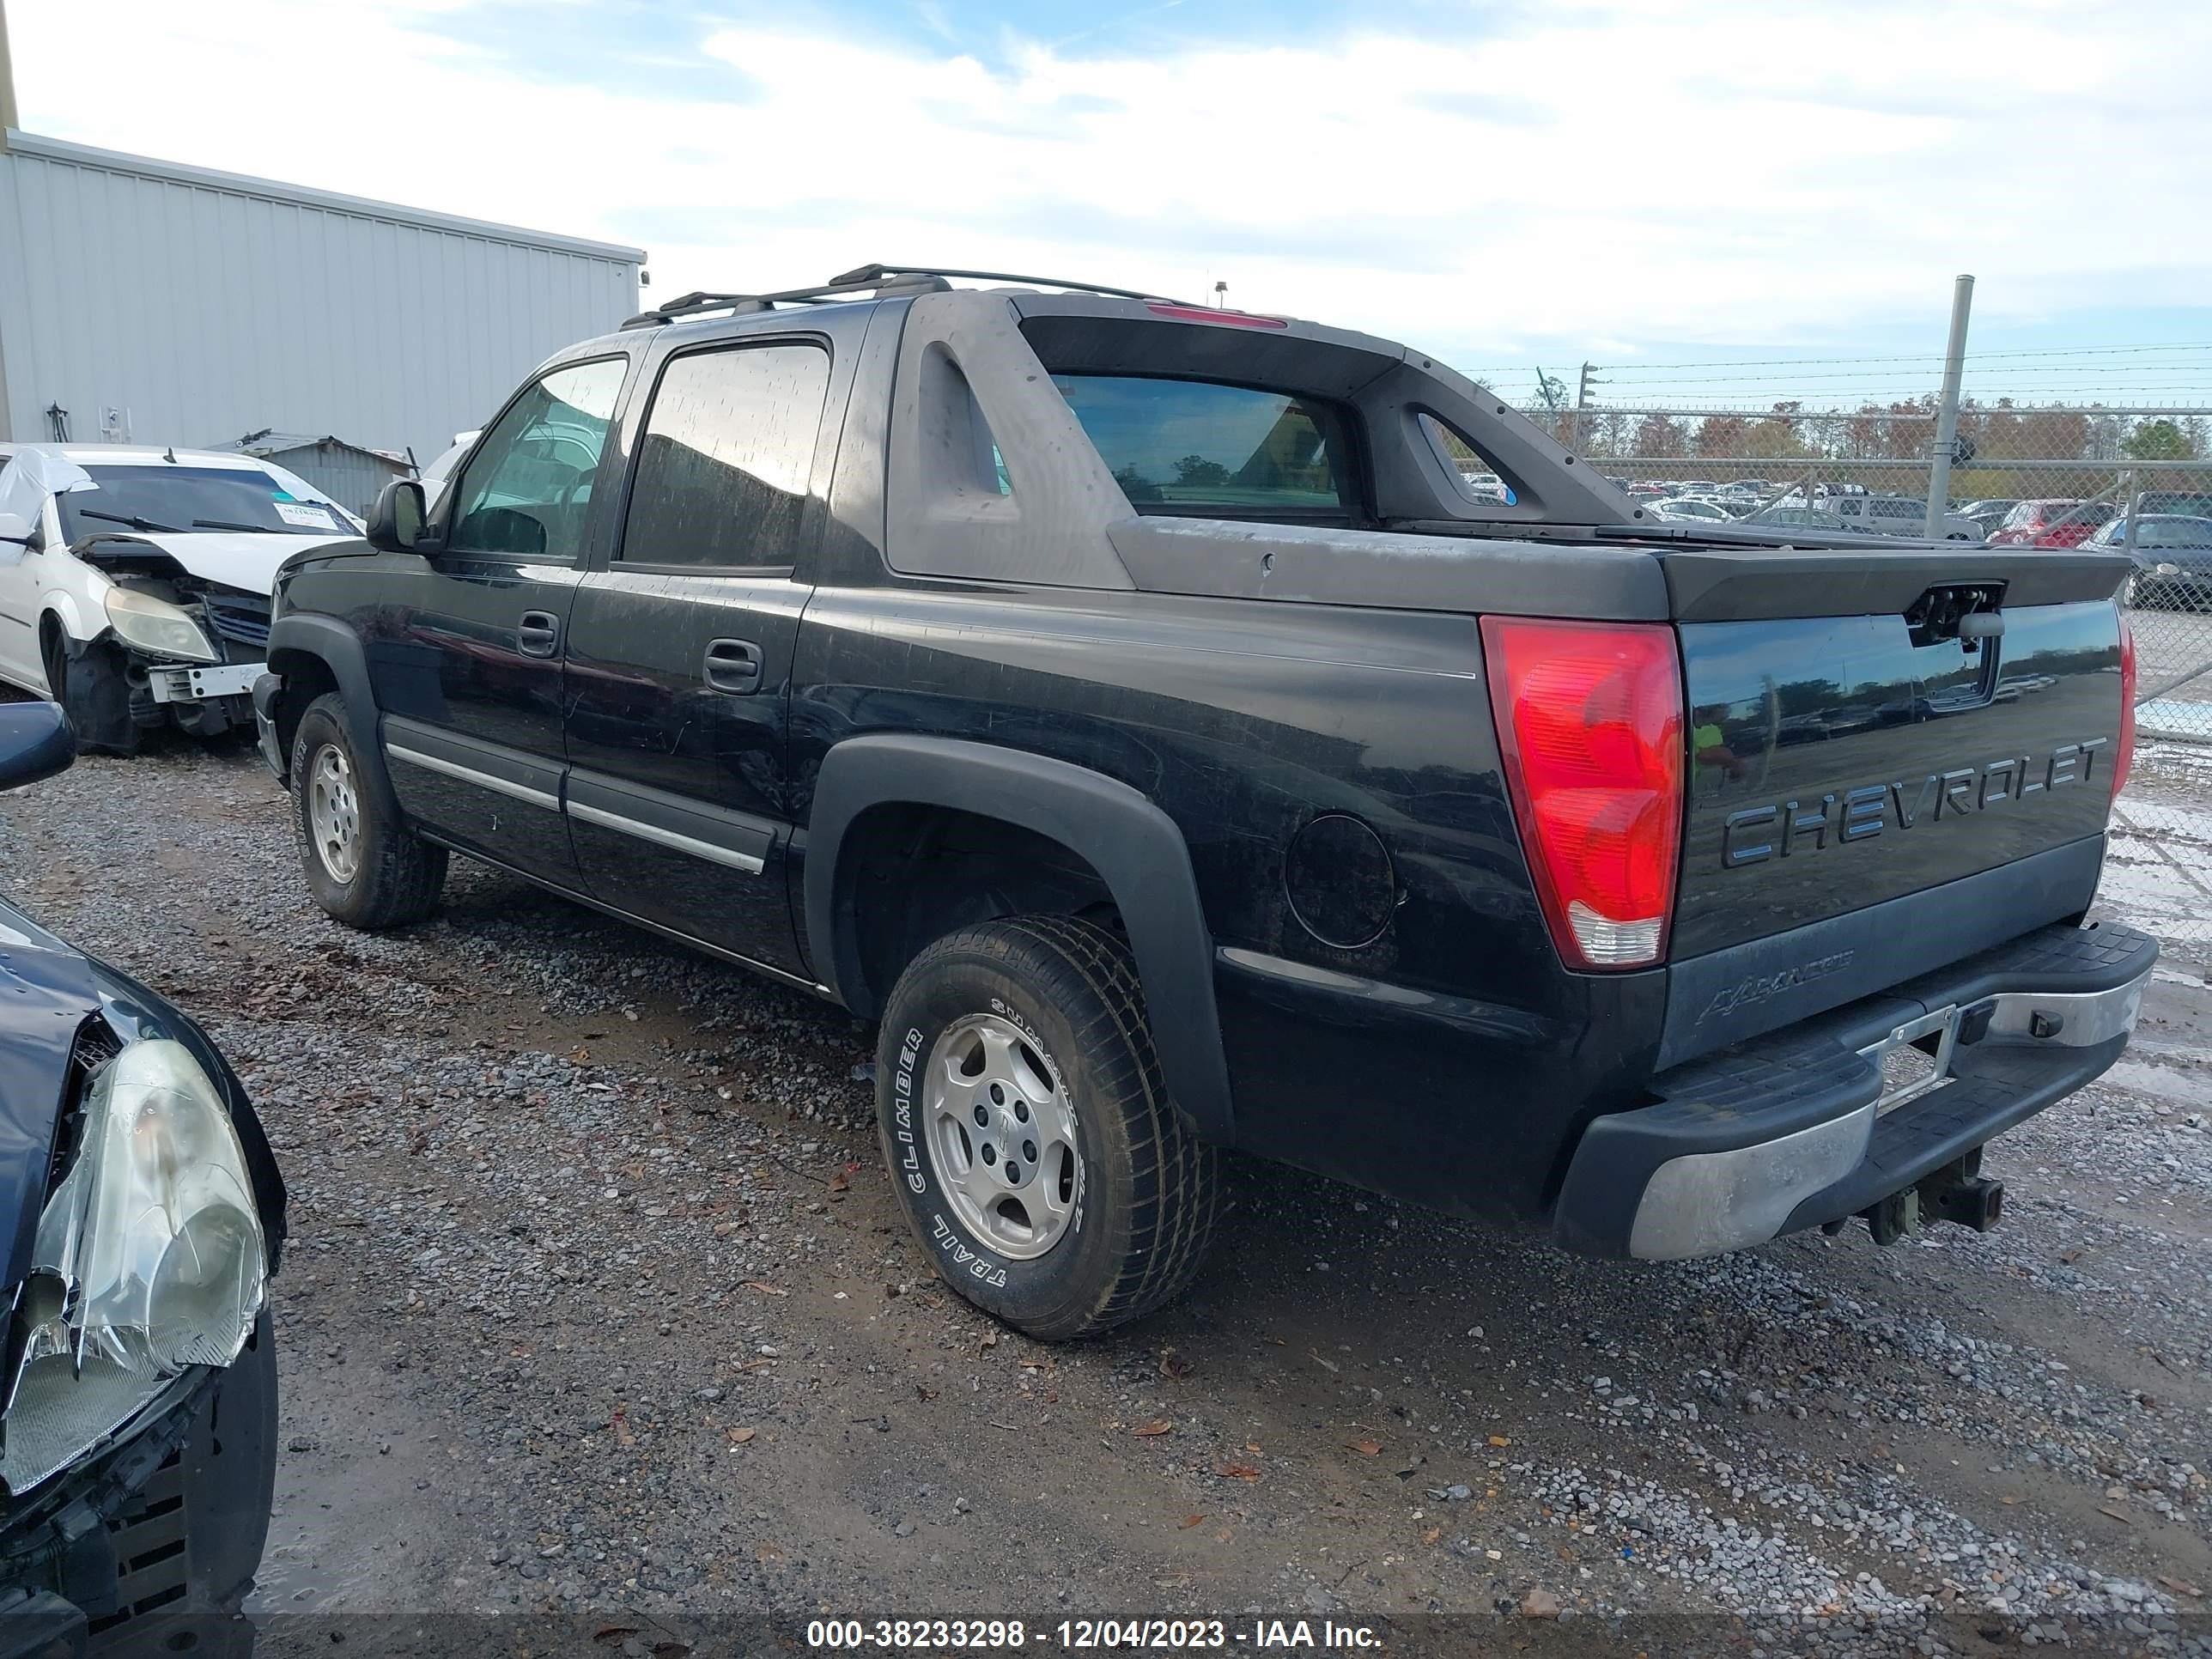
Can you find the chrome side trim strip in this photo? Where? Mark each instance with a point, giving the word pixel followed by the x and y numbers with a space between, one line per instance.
pixel 653 832
pixel 498 785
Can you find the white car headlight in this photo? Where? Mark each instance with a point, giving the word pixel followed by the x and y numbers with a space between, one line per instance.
pixel 150 1259
pixel 157 626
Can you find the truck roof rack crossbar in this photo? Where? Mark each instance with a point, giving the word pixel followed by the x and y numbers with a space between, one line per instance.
pixel 880 280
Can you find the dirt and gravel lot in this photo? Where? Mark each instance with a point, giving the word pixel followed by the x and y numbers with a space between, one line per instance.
pixel 598 1306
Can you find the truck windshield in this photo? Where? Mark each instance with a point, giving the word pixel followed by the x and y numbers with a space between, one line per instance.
pixel 1203 448
pixel 192 498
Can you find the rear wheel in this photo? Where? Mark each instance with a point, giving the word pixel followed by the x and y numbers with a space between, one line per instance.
pixel 363 866
pixel 1023 1116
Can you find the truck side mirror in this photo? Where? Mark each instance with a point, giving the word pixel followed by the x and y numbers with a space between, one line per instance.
pixel 15 530
pixel 395 523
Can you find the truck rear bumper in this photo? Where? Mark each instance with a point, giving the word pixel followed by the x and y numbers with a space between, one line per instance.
pixel 1796 1129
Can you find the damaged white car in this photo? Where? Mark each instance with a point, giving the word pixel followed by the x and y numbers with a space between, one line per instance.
pixel 134 582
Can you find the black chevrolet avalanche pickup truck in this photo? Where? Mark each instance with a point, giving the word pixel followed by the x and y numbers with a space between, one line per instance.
pixel 1136 710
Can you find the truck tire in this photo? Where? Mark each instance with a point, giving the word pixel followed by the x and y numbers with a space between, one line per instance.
pixel 1039 1161
pixel 363 866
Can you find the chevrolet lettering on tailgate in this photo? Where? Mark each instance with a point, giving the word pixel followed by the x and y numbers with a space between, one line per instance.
pixel 1808 823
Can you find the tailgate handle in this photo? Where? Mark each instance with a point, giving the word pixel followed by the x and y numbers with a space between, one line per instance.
pixel 1965 612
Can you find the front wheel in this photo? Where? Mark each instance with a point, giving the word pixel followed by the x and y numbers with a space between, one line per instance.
pixel 1021 1113
pixel 363 866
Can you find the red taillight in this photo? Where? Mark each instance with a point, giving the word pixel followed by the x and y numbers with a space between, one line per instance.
pixel 1204 314
pixel 2124 752
pixel 1590 719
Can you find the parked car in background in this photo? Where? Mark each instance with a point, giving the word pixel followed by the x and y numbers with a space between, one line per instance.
pixel 1899 515
pixel 144 1215
pixel 2190 503
pixel 435 475
pixel 1988 513
pixel 1802 518
pixel 1502 896
pixel 134 582
pixel 1690 509
pixel 2172 556
pixel 2056 521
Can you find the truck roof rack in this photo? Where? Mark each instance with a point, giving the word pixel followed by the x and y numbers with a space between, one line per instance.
pixel 880 280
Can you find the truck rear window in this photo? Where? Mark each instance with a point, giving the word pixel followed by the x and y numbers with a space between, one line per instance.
pixel 1206 449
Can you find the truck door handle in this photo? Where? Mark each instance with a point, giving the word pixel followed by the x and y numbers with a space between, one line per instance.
pixel 734 666
pixel 538 632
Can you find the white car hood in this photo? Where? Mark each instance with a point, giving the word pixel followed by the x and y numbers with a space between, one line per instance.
pixel 246 560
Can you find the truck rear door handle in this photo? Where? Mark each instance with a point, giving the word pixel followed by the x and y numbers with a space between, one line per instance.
pixel 538 633
pixel 734 666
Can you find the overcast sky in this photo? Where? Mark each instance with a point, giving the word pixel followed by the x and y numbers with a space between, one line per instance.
pixel 1642 184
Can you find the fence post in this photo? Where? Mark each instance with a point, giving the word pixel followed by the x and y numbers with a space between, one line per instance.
pixel 1947 411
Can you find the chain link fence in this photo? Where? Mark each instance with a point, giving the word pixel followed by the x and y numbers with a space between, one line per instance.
pixel 2055 478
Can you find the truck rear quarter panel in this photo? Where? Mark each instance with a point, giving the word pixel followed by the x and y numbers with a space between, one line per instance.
pixel 1456 1035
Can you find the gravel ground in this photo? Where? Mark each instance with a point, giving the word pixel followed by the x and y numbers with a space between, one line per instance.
pixel 599 1308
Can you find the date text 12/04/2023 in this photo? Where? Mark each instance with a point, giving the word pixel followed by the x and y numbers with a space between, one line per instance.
pixel 979 1635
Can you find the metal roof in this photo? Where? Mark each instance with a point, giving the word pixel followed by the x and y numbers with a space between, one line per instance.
pixel 146 167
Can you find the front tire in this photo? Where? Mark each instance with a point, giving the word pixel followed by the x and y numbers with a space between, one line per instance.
pixel 93 686
pixel 1023 1119
pixel 363 866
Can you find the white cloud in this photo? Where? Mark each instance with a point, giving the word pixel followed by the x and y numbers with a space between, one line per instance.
pixel 1628 174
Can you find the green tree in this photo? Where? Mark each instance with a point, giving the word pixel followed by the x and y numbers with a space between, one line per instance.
pixel 2158 440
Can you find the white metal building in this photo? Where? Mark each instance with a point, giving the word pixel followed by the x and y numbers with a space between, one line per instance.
pixel 143 301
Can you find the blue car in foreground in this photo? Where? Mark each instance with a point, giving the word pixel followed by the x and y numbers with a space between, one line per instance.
pixel 141 1216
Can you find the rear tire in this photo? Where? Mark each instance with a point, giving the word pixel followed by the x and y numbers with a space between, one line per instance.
pixel 1023 1116
pixel 363 866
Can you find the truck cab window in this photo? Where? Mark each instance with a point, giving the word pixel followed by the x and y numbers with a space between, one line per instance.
pixel 1204 449
pixel 528 489
pixel 723 465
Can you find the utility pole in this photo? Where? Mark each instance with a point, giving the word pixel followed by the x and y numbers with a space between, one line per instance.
pixel 1582 402
pixel 1947 410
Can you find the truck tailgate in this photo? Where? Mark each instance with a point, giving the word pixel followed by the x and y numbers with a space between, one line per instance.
pixel 1872 795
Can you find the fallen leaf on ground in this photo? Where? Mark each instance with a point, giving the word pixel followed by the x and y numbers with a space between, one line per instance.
pixel 1433 1535
pixel 740 1436
pixel 764 1289
pixel 838 1183
pixel 1190 1521
pixel 2181 1589
pixel 1499 1440
pixel 583 1056
pixel 990 1339
pixel 1236 1471
pixel 1158 1425
pixel 1174 1364
pixel 1364 1448
pixel 1252 1446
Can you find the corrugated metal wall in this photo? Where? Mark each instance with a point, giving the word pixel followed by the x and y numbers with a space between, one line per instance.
pixel 208 305
pixel 346 476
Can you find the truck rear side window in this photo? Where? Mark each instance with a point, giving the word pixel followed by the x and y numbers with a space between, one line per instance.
pixel 722 468
pixel 1205 449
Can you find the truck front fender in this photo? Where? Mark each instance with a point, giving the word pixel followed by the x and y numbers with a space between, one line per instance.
pixel 338 648
pixel 1134 846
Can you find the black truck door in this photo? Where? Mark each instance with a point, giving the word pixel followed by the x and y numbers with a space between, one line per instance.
pixel 679 651
pixel 466 655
